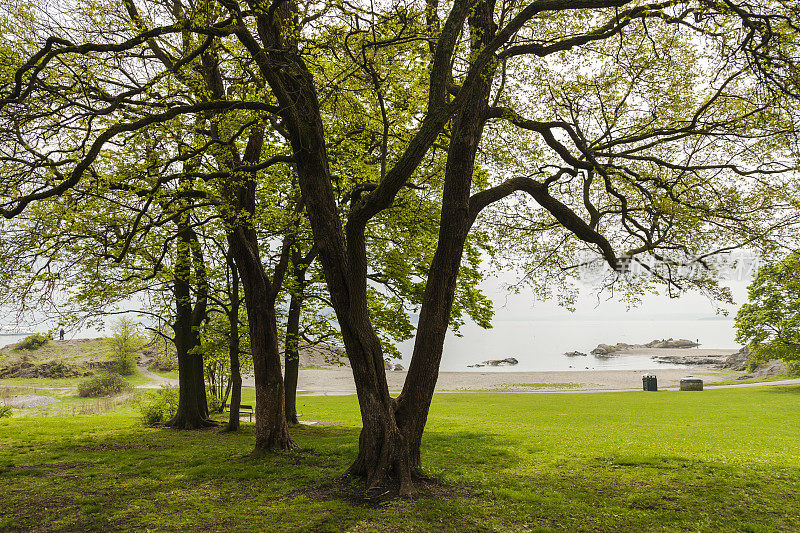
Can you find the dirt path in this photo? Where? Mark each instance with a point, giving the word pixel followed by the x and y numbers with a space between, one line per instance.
pixel 157 381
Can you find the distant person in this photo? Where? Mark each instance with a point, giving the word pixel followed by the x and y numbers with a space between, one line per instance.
pixel 61 334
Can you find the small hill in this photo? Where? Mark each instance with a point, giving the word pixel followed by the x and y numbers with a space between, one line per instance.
pixel 56 359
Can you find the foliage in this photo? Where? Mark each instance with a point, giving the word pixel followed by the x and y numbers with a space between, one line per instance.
pixel 662 472
pixel 125 342
pixel 102 385
pixel 214 401
pixel 164 362
pixel 32 342
pixel 159 406
pixel 770 321
pixel 6 411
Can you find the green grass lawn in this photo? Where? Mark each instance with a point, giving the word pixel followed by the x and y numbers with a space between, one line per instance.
pixel 717 460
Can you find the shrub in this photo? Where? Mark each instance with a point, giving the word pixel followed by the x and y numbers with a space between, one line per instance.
pixel 164 362
pixel 159 406
pixel 125 343
pixel 32 342
pixel 104 385
pixel 214 402
pixel 5 411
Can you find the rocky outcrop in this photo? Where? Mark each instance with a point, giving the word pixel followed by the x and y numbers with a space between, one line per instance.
pixel 739 360
pixel 770 369
pixel 672 343
pixel 690 359
pixel 575 354
pixel 508 361
pixel 605 350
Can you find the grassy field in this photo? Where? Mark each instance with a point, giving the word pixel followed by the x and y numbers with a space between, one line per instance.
pixel 720 460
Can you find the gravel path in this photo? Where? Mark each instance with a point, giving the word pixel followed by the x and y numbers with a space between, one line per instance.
pixel 21 401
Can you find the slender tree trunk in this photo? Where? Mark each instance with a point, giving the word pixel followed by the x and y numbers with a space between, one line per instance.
pixel 233 350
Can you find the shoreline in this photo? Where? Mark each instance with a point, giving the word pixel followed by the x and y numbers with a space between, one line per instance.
pixel 340 380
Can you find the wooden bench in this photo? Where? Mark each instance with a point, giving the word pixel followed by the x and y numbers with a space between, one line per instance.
pixel 242 409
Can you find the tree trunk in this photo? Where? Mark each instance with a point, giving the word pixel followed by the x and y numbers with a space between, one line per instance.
pixel 291 355
pixel 233 351
pixel 437 301
pixel 383 449
pixel 272 431
pixel 192 410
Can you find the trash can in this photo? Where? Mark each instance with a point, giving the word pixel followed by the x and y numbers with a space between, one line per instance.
pixel 649 382
pixel 691 384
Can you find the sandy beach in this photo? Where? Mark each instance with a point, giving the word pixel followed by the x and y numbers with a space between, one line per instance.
pixel 339 380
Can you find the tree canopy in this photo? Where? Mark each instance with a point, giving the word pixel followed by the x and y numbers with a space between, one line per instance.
pixel 770 321
pixel 545 134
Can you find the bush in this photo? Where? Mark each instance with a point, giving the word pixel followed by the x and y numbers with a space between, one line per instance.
pixel 5 411
pixel 32 342
pixel 164 362
pixel 214 402
pixel 105 385
pixel 159 406
pixel 125 343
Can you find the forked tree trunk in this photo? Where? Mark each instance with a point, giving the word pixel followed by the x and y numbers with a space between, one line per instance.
pixel 383 448
pixel 272 430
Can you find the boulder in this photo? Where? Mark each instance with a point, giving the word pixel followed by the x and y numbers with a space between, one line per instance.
pixel 575 354
pixel 604 349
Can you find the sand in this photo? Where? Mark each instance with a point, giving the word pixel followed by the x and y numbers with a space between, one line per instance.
pixel 340 381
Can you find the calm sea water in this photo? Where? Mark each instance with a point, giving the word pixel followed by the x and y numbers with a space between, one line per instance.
pixel 539 345
pixel 6 339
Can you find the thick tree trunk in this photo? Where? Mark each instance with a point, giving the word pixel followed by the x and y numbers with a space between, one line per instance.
pixel 291 354
pixel 233 351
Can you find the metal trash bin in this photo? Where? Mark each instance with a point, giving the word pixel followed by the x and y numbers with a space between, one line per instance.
pixel 691 384
pixel 649 382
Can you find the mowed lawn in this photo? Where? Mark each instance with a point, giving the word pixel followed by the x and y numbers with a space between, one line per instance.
pixel 717 460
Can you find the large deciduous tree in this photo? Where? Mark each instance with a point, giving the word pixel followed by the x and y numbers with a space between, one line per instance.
pixel 770 321
pixel 643 133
